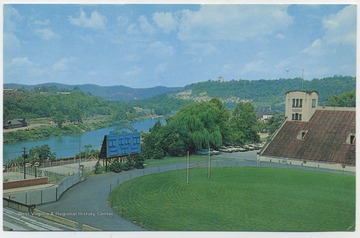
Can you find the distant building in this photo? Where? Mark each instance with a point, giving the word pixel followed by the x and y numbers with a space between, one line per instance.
pixel 313 133
pixel 15 123
pixel 265 116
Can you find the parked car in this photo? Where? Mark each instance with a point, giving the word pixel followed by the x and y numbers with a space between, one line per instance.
pixel 206 152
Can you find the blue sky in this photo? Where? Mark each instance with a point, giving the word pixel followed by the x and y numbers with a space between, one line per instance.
pixel 175 45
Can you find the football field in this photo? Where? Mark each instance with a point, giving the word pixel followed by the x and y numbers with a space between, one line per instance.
pixel 239 199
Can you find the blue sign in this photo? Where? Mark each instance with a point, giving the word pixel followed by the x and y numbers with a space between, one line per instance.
pixel 123 144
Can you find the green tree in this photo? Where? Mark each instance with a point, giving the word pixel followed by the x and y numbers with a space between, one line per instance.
pixel 175 140
pixel 244 123
pixel 59 119
pixel 275 122
pixel 200 121
pixel 223 121
pixel 41 153
pixel 346 99
pixel 152 146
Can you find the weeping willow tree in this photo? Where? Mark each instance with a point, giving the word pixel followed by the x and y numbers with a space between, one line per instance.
pixel 201 125
pixel 200 121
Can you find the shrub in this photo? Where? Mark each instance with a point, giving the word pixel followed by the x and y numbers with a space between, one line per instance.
pixel 116 167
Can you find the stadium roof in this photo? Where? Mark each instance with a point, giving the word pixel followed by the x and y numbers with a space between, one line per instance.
pixel 329 136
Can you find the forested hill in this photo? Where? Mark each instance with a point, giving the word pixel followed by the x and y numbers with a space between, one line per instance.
pixel 112 93
pixel 264 93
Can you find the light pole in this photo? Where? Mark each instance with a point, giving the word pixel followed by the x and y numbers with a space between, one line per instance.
pixel 24 157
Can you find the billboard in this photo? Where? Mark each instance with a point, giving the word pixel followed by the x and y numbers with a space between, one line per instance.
pixel 122 144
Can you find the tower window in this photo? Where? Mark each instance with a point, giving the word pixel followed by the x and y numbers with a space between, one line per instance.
pixel 297 103
pixel 313 103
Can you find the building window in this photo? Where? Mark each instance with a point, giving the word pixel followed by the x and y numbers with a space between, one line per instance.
pixel 302 134
pixel 351 139
pixel 313 103
pixel 297 103
pixel 296 117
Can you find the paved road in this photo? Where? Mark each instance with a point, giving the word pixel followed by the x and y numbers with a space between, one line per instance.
pixel 87 202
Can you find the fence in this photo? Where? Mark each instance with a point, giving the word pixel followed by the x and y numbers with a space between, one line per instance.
pixel 128 175
pixel 53 193
pixel 40 173
pixel 45 195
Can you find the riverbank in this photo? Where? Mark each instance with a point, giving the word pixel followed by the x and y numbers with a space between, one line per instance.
pixel 65 146
pixel 44 131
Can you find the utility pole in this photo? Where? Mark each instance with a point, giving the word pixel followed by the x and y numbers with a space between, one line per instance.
pixel 209 165
pixel 187 167
pixel 302 81
pixel 24 157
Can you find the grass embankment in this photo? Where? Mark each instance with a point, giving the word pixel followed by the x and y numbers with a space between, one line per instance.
pixel 239 199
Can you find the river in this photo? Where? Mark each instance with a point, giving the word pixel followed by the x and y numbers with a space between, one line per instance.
pixel 68 146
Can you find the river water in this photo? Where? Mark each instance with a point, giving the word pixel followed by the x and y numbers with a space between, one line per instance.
pixel 68 146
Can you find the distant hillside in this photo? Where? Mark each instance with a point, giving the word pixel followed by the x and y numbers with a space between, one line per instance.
pixel 113 93
pixel 262 93
pixel 265 93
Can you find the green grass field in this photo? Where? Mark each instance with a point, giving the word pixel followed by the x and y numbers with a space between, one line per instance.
pixel 239 199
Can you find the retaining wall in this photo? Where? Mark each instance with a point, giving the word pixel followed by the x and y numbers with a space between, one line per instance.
pixel 310 164
pixel 25 183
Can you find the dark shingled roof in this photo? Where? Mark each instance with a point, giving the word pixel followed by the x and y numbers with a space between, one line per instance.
pixel 325 138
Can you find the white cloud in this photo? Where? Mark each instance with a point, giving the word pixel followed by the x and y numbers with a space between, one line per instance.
pixel 316 48
pixel 11 18
pixel 339 37
pixel 132 29
pixel 46 34
pixel 21 62
pixel 165 21
pixel 341 27
pixel 11 42
pixel 133 72
pixel 142 26
pixel 132 58
pixel 161 49
pixel 42 22
pixel 23 69
pixel 280 36
pixel 233 22
pixel 145 26
pixel 95 21
pixel 255 66
pixel 63 64
pixel 122 20
pixel 200 49
pixel 160 68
